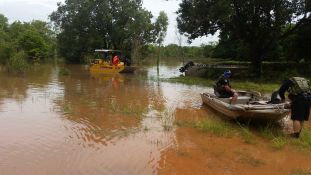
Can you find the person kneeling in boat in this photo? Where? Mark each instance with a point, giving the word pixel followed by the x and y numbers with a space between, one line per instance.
pixel 223 89
pixel 115 60
pixel 299 93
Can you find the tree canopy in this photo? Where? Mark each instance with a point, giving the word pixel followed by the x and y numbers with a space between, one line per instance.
pixel 256 24
pixel 86 25
pixel 35 39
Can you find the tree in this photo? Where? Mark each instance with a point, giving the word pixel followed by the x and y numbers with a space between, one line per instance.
pixel 160 32
pixel 21 41
pixel 86 25
pixel 297 46
pixel 257 24
pixel 3 38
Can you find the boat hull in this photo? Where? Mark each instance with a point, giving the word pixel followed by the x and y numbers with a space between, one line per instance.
pixel 129 69
pixel 246 111
pixel 108 69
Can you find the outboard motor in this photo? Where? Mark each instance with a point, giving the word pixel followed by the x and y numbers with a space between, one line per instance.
pixel 186 66
pixel 275 98
pixel 127 61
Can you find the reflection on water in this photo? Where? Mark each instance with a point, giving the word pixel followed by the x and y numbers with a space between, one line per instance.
pixel 86 123
pixel 99 124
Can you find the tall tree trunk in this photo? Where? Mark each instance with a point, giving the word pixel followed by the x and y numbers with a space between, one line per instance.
pixel 158 58
pixel 256 64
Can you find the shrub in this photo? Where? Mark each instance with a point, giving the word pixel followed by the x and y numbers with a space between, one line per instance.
pixel 17 63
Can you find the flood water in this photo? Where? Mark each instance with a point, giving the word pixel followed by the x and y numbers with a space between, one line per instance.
pixel 124 124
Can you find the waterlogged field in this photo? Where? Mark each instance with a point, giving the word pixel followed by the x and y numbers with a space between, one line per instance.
pixel 75 122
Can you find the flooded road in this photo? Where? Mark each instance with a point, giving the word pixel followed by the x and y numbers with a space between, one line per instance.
pixel 125 124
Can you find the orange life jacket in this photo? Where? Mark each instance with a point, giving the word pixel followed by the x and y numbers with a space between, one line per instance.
pixel 115 60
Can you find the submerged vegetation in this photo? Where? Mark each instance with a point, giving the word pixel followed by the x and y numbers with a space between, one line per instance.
pixel 17 63
pixel 24 43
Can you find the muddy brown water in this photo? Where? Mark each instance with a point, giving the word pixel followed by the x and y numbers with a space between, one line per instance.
pixel 123 124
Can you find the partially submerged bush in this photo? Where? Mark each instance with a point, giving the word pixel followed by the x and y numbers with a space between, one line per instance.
pixel 17 63
pixel 64 71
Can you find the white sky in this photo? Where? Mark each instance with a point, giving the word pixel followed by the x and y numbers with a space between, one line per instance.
pixel 27 10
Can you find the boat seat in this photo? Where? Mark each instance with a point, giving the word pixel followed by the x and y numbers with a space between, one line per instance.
pixel 240 100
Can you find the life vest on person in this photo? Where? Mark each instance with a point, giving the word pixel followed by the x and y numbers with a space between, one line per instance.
pixel 115 60
pixel 300 85
pixel 220 83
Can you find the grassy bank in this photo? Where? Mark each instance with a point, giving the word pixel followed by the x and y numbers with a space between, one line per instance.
pixel 250 134
pixel 254 85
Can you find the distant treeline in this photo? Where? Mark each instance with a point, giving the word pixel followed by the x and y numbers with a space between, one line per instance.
pixel 22 42
pixel 173 50
pixel 295 48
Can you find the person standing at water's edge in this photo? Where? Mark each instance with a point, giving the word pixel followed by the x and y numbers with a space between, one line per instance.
pixel 223 89
pixel 299 93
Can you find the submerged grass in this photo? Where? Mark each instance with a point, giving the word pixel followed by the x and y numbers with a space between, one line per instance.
pixel 184 123
pixel 218 128
pixel 167 119
pixel 300 172
pixel 64 71
pixel 67 108
pixel 131 109
pixel 247 158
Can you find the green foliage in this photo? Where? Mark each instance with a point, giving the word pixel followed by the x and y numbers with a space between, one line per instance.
pixel 161 27
pixel 33 44
pixel 300 172
pixel 247 135
pixel 175 51
pixel 17 63
pixel 279 142
pixel 35 41
pixel 115 24
pixel 296 46
pixel 253 27
pixel 218 128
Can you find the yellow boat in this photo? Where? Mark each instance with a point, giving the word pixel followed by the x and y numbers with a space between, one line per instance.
pixel 103 65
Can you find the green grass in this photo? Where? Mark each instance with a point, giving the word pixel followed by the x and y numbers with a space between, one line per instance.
pixel 255 86
pixel 247 135
pixel 304 142
pixel 279 143
pixel 190 81
pixel 184 123
pixel 270 131
pixel 129 110
pixel 167 119
pixel 218 128
pixel 260 86
pixel 244 131
pixel 300 172
pixel 17 64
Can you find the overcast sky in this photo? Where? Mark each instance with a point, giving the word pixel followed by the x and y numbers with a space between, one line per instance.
pixel 27 10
